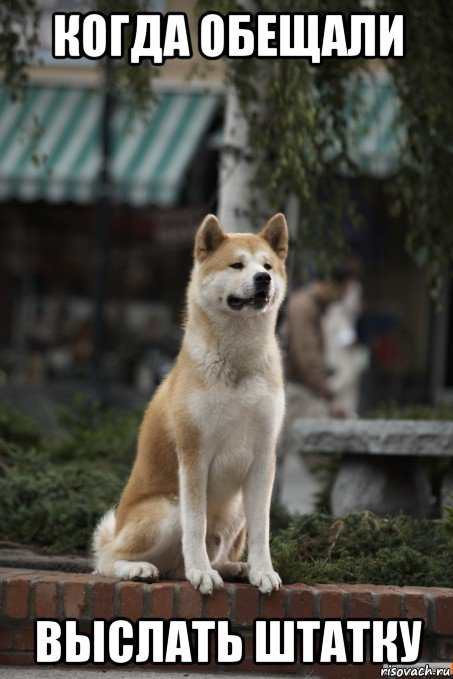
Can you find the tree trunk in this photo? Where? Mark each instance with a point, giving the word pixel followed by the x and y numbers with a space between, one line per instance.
pixel 236 161
pixel 236 168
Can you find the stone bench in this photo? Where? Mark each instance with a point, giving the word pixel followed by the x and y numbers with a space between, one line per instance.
pixel 380 470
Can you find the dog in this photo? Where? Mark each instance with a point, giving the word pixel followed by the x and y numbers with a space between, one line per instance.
pixel 205 463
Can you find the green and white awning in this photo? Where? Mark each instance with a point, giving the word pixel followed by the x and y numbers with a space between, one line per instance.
pixel 375 136
pixel 50 145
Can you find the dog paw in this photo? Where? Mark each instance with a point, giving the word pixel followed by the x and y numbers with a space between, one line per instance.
pixel 266 581
pixel 234 570
pixel 204 580
pixel 135 570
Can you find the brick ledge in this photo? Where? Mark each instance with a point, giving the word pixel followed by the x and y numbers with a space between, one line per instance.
pixel 29 594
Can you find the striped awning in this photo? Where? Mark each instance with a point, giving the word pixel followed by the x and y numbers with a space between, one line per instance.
pixel 375 136
pixel 50 145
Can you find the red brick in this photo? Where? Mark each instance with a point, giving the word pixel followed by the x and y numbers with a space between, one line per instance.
pixel 415 606
pixel 247 598
pixel 161 605
pixel 7 572
pixel 389 604
pixel 218 605
pixel 17 596
pixel 16 659
pixel 444 614
pixel 103 598
pixel 131 597
pixel 434 591
pixel 46 599
pixel 331 602
pixel 190 601
pixel 360 601
pixel 6 638
pixel 273 605
pixel 53 576
pixel 24 639
pixel 74 599
pixel 302 600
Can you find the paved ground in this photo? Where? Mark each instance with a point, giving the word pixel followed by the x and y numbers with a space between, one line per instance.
pixel 77 673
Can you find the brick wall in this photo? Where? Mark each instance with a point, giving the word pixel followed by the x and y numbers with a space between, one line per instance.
pixel 26 595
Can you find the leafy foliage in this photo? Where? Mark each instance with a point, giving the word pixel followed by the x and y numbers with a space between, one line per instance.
pixel 296 113
pixel 19 38
pixel 296 116
pixel 54 488
pixel 424 81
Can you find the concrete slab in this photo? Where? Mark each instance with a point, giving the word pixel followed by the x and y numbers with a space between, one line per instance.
pixel 374 437
pixel 79 673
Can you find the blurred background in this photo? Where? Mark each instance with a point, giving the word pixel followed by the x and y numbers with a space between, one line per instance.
pixel 98 208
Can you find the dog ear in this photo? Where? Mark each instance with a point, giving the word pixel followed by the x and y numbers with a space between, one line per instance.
pixel 209 236
pixel 276 234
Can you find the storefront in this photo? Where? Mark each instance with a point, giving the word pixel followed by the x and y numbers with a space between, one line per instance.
pixel 163 177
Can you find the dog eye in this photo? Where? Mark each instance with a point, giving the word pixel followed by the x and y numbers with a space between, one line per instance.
pixel 237 265
pixel 268 267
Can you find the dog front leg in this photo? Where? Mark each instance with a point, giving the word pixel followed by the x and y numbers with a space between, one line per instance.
pixel 257 500
pixel 193 485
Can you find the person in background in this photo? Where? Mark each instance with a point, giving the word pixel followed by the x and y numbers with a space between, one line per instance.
pixel 309 393
pixel 346 358
pixel 309 390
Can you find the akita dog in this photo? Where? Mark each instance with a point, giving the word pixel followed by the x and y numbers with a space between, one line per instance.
pixel 206 451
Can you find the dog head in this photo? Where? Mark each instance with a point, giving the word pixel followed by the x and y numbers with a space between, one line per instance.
pixel 240 273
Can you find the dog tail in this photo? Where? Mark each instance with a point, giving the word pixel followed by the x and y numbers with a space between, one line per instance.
pixel 103 537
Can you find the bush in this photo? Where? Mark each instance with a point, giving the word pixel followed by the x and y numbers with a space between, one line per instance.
pixel 391 410
pixel 94 434
pixel 53 489
pixel 18 428
pixel 361 547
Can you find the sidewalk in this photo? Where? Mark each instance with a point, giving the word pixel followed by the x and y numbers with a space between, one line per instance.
pixel 78 672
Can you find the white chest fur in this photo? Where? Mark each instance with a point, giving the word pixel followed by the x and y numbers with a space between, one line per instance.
pixel 235 424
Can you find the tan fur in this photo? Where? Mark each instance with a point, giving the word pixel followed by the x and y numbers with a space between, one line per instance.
pixel 206 449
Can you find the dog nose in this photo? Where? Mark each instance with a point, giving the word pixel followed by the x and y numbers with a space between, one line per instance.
pixel 262 279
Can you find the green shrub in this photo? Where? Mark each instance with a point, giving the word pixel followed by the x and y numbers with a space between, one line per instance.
pixel 16 427
pixel 364 548
pixel 54 506
pixel 53 489
pixel 90 432
pixel 391 410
